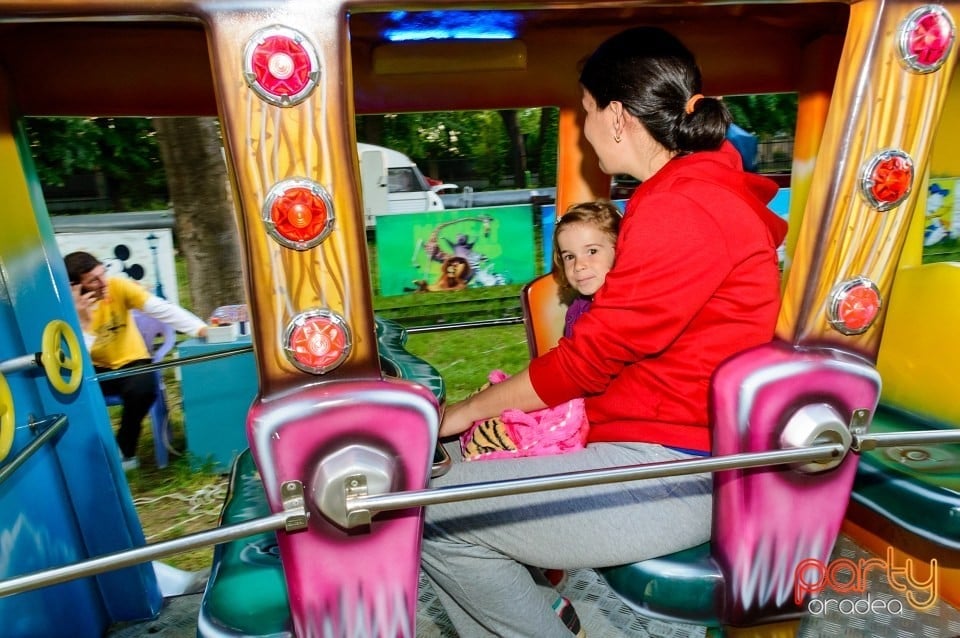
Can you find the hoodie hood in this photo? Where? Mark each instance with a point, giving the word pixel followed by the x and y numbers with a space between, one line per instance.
pixel 723 168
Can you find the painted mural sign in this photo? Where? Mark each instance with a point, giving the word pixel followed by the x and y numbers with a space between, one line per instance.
pixel 942 214
pixel 455 249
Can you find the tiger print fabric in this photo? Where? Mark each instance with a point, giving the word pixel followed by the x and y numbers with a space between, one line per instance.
pixel 490 435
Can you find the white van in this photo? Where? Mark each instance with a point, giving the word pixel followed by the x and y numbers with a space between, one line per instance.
pixel 392 183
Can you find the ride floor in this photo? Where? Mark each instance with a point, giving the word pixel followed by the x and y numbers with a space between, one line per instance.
pixel 604 616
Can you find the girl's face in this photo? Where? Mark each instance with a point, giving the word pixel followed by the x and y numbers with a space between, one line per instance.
pixel 587 256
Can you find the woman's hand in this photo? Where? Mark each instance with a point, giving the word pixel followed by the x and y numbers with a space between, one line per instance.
pixel 456 419
pixel 514 392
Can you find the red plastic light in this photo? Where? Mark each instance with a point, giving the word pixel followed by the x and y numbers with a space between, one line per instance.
pixel 280 66
pixel 926 37
pixel 298 213
pixel 887 179
pixel 854 306
pixel 317 341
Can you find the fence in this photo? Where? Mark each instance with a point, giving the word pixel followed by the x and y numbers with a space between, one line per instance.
pixel 775 156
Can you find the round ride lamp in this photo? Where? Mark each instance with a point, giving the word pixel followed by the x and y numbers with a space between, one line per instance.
pixel 854 306
pixel 886 179
pixel 925 39
pixel 298 213
pixel 281 66
pixel 317 341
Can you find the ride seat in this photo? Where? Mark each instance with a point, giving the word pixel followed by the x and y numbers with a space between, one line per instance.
pixel 543 314
pixel 160 338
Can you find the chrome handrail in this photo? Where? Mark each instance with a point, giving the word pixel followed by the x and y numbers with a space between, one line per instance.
pixel 360 507
pixel 29 361
pixel 48 428
pixel 867 442
pixel 170 363
pixel 292 519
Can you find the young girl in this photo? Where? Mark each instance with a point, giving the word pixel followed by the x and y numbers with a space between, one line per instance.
pixel 583 252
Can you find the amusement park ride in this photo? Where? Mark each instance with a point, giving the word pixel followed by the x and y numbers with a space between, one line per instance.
pixel 843 422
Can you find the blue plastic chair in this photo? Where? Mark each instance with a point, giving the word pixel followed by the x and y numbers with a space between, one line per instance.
pixel 160 338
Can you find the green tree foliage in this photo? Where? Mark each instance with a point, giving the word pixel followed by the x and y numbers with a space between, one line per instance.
pixel 767 116
pixel 122 150
pixel 475 137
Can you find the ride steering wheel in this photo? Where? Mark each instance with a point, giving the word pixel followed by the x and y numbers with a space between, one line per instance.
pixel 57 361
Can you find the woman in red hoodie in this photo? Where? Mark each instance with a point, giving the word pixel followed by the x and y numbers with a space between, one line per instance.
pixel 696 280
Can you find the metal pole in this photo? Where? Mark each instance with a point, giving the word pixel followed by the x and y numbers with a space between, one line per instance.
pixel 484 323
pixel 46 433
pixel 170 363
pixel 137 555
pixel 867 442
pixel 362 507
pixel 22 362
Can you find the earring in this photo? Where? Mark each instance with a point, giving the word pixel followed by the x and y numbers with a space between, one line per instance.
pixel 617 138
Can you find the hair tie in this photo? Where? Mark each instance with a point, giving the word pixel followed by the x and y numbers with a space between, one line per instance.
pixel 692 103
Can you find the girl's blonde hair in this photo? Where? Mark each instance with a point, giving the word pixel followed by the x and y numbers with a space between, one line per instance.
pixel 603 214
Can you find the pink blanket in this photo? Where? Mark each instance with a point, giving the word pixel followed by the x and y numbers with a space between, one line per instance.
pixel 562 428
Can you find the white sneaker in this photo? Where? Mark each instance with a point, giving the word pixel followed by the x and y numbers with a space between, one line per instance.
pixel 130 463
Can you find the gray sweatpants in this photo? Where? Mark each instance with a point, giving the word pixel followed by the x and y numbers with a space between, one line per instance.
pixel 475 552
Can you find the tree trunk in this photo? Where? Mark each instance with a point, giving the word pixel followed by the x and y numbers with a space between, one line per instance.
pixel 204 220
pixel 518 151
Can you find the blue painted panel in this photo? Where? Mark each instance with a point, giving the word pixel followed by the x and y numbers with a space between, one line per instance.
pixel 70 501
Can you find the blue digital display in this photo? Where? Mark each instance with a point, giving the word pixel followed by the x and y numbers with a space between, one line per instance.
pixel 451 25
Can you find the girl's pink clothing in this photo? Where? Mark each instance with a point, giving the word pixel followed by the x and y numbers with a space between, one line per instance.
pixel 562 428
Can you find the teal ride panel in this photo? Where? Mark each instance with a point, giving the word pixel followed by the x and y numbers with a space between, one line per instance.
pixel 916 486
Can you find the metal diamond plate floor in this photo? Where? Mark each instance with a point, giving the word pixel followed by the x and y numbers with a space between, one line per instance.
pixel 603 615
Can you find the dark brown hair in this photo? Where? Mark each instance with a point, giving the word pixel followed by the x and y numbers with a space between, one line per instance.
pixel 654 76
pixel 78 264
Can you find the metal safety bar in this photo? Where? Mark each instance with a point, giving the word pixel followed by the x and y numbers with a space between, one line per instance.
pixel 292 519
pixel 170 363
pixel 28 361
pixel 360 507
pixel 867 442
pixel 483 323
pixel 46 429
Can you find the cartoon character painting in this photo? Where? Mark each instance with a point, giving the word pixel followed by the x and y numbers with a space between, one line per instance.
pixel 938 213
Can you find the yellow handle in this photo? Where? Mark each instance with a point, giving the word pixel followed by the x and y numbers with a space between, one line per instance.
pixel 56 361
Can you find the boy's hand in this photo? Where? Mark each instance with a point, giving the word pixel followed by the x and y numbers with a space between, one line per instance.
pixel 84 302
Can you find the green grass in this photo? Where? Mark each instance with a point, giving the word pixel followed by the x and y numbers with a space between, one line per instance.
pixel 465 357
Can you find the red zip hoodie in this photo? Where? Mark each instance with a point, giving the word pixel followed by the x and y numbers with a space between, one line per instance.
pixel 695 281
